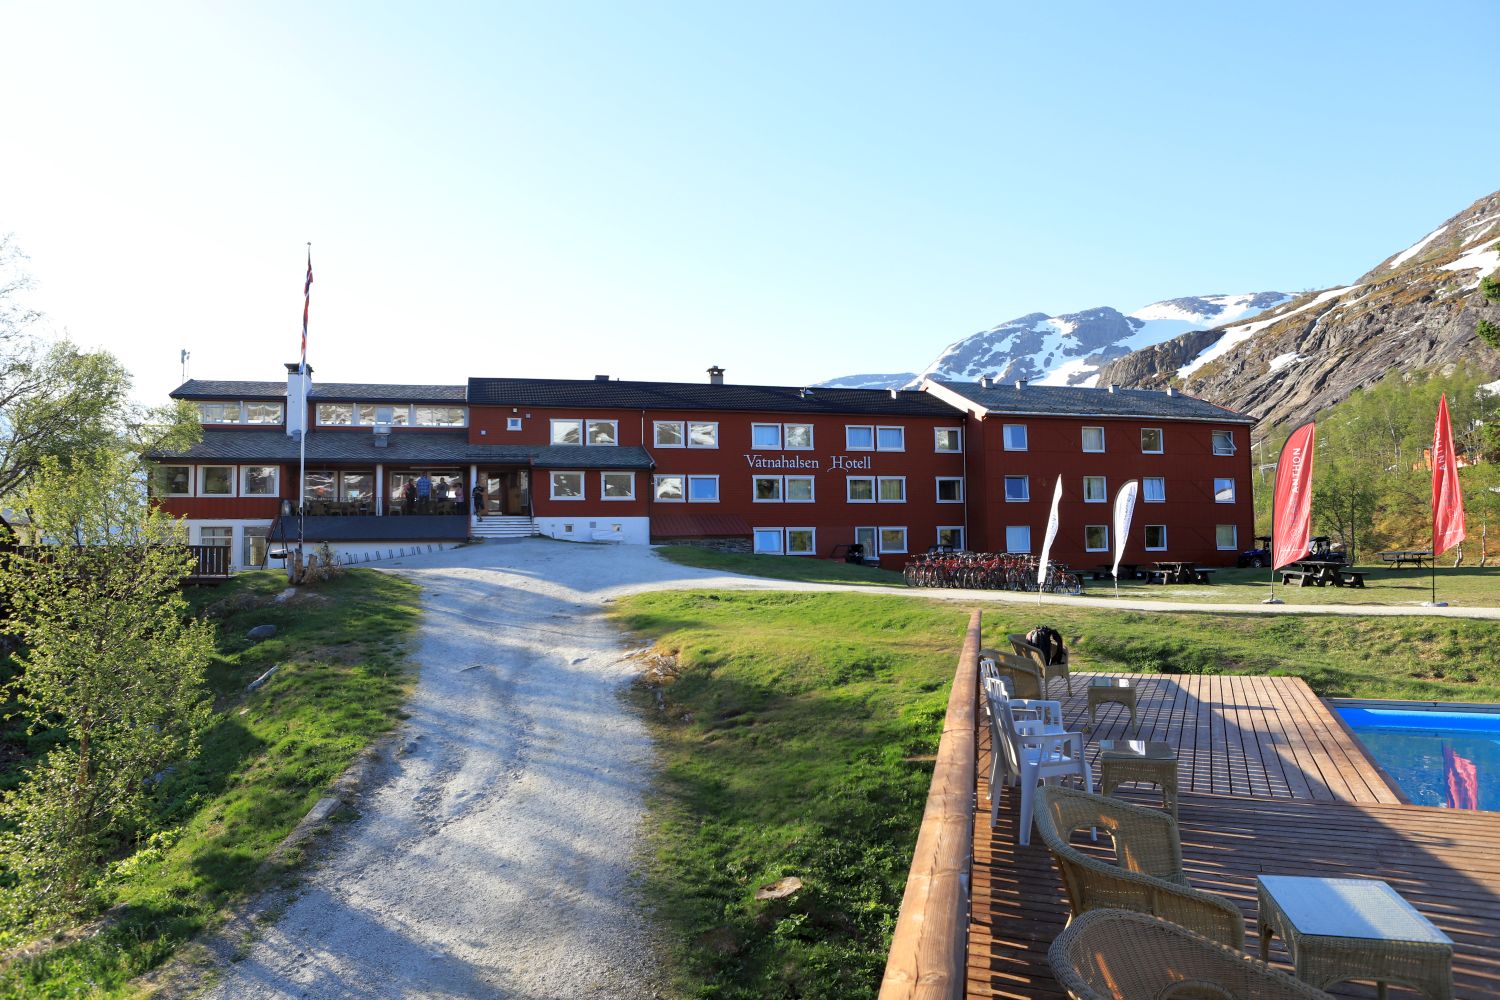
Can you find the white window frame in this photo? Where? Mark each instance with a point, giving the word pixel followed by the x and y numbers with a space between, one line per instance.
pixel 1085 435
pixel 1103 496
pixel 589 425
pixel 756 445
pixel 1145 494
pixel 890 427
pixel 245 413
pixel 583 483
pixel 1234 538
pixel 239 410
pixel 234 480
pixel 604 483
pixel 1161 439
pixel 655 488
pixel 1146 537
pixel 755 482
pixel 248 532
pixel 1005 437
pixel 218 527
pixel 1214 442
pixel 812 491
pixel 415 407
pixel 687 489
pixel 786 438
pixel 905 540
pixel 576 422
pixel 951 527
pixel 657 425
pixel 1099 548
pixel 192 478
pixel 1018 527
pixel 1025 481
pixel 512 423
pixel 882 480
pixel 850 445
pixel 755 535
pixel 872 548
pixel 849 482
pixel 950 479
pixel 275 481
pixel 1224 479
pixel 702 423
pixel 937 440
pixel 786 546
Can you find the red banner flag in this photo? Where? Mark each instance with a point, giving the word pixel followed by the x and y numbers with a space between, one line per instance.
pixel 1462 780
pixel 1291 515
pixel 1447 502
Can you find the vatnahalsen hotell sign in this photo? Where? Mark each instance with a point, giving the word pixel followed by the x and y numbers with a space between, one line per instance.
pixel 382 467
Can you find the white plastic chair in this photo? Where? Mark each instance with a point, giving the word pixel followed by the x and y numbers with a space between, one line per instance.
pixel 1035 752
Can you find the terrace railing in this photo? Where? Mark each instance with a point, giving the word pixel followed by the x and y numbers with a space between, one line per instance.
pixel 929 948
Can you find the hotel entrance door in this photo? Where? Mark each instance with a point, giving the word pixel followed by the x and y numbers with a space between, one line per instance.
pixel 507 491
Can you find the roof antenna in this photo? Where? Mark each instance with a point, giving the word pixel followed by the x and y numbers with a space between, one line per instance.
pixel 184 359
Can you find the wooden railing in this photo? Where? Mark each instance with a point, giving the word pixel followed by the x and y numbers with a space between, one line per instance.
pixel 929 949
pixel 209 561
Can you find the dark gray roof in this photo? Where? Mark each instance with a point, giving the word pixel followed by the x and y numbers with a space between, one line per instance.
pixel 1075 401
pixel 329 392
pixel 346 447
pixel 414 528
pixel 590 393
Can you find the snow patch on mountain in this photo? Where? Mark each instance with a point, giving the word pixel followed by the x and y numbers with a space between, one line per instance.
pixel 895 380
pixel 1236 335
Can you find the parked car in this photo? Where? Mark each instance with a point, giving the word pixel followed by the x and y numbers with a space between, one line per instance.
pixel 1258 556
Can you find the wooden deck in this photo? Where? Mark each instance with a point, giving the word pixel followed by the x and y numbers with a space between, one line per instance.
pixel 1271 784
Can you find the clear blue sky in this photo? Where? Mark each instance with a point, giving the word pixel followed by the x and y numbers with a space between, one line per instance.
pixel 793 191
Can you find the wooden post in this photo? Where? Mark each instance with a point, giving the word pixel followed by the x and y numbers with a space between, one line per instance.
pixel 929 949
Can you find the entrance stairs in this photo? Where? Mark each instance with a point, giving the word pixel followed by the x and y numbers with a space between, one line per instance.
pixel 502 526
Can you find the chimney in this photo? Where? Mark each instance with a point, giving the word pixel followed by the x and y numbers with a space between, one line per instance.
pixel 1171 390
pixel 984 381
pixel 298 388
pixel 1114 387
pixel 715 375
pixel 601 378
pixel 895 393
pixel 1020 383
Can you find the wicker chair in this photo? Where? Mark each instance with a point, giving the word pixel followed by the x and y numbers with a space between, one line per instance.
pixel 1027 651
pixel 1025 677
pixel 1115 954
pixel 1148 877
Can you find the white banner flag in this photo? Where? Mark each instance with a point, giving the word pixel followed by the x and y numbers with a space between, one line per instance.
pixel 1041 566
pixel 1124 510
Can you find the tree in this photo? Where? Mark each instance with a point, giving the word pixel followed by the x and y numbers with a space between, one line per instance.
pixel 1345 498
pixel 110 660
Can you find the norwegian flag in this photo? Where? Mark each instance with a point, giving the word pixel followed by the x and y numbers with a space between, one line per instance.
pixel 306 302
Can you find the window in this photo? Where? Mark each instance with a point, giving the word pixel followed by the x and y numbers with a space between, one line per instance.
pixel 512 423
pixel 766 489
pixel 948 439
pixel 221 536
pixel 799 489
pixel 390 416
pixel 861 489
pixel 264 413
pixel 368 413
pixel 671 489
pixel 260 481
pixel 890 438
pixel 1156 538
pixel 361 485
pixel 859 437
pixel 892 489
pixel 1094 490
pixel 703 435
pixel 892 541
pixel 1151 440
pixel 869 538
pixel 567 485
pixel 951 537
pixel 320 484
pixel 1227 537
pixel 172 481
pixel 254 553
pixel 703 489
pixel 1017 488
pixel 216 481
pixel 1017 538
pixel 799 437
pixel 335 414
pixel 1096 538
pixel 439 416
pixel 668 434
pixel 950 489
pixel 765 435
pixel 617 485
pixel 768 541
pixel 1015 437
pixel 219 413
pixel 801 541
pixel 1223 491
pixel 1154 489
pixel 1223 442
pixel 567 432
pixel 604 432
pixel 1093 439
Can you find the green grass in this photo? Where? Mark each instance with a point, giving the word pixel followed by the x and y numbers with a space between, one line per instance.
pixel 796 729
pixel 802 568
pixel 1466 586
pixel 268 756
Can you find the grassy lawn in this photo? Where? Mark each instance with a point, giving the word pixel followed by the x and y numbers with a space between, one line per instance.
pixel 802 568
pixel 268 756
pixel 796 731
pixel 1466 586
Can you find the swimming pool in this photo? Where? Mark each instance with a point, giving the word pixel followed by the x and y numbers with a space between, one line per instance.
pixel 1408 741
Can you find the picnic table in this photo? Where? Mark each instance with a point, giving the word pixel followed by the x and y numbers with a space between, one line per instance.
pixel 1322 573
pixel 1174 571
pixel 1406 557
pixel 1127 572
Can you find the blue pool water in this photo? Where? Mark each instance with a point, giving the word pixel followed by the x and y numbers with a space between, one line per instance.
pixel 1409 743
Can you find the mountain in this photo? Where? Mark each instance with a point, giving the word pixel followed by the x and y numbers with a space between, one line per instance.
pixel 1069 349
pixel 1415 310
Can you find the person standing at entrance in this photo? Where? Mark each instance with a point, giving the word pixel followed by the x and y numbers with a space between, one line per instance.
pixel 458 497
pixel 424 494
pixel 479 501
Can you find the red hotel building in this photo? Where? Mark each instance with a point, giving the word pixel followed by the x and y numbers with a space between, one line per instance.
pixel 770 469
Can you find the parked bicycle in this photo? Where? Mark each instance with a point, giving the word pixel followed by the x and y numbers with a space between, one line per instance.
pixel 987 571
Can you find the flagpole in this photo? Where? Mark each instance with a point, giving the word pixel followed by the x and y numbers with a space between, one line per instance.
pixel 302 436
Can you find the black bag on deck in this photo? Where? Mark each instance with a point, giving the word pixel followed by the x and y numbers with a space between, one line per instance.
pixel 1049 641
